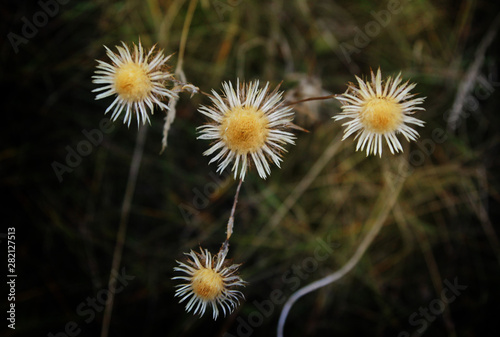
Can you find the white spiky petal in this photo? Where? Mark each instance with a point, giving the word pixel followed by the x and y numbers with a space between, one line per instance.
pixel 274 119
pixel 227 298
pixel 154 92
pixel 396 97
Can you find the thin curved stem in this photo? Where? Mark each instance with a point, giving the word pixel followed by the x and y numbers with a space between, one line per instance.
pixel 179 71
pixel 122 229
pixel 389 199
pixel 182 46
pixel 312 99
pixel 169 119
pixel 230 223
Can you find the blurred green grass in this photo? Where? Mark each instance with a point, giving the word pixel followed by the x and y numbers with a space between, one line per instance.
pixel 440 228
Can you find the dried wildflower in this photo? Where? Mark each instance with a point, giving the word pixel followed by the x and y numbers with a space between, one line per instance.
pixel 210 281
pixel 379 110
pixel 136 78
pixel 249 125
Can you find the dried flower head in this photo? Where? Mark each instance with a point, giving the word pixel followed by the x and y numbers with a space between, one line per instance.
pixel 379 110
pixel 136 78
pixel 210 281
pixel 249 125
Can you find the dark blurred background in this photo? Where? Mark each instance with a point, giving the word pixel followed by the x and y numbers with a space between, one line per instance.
pixel 444 225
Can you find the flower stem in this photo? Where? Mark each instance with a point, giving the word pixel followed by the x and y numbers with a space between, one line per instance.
pixel 311 99
pixel 230 223
pixel 122 229
pixel 179 71
pixel 184 35
pixel 388 200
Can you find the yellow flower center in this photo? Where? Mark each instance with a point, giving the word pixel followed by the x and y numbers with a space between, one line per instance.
pixel 244 129
pixel 132 82
pixel 381 115
pixel 207 284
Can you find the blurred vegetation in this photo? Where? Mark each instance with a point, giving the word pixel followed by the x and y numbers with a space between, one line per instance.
pixel 444 225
